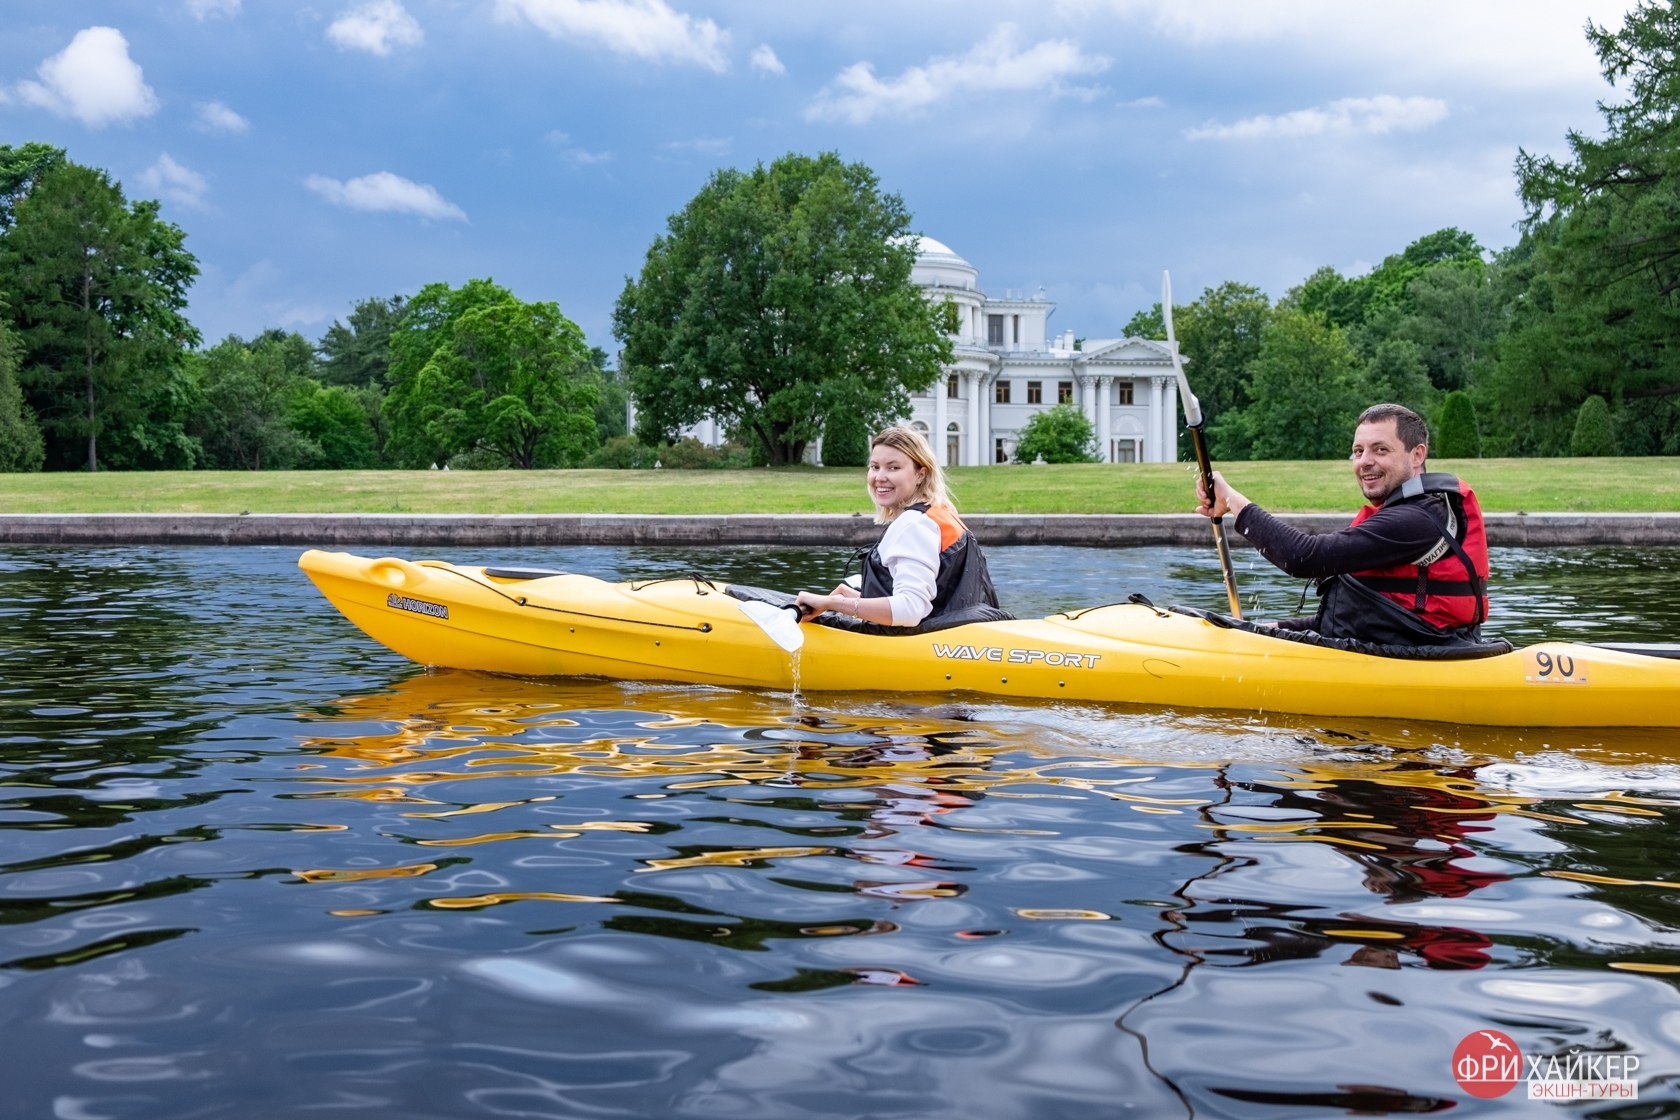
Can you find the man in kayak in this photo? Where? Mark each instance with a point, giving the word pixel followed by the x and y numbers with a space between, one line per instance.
pixel 1412 569
pixel 927 564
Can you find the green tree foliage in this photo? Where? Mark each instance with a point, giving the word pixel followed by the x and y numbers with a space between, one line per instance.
pixel 21 167
pixel 1060 435
pixel 1305 390
pixel 1592 434
pixel 1395 373
pixel 499 378
pixel 248 389
pixel 21 448
pixel 846 440
pixel 612 404
pixel 1458 436
pixel 1219 335
pixel 335 421
pixel 357 352
pixel 1349 303
pixel 1603 231
pixel 777 297
pixel 98 289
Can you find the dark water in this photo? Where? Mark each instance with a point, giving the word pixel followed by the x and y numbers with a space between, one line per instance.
pixel 255 866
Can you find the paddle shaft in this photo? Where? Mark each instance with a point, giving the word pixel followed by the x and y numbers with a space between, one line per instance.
pixel 1199 438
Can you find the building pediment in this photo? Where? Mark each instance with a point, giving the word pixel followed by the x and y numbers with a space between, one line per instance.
pixel 1128 351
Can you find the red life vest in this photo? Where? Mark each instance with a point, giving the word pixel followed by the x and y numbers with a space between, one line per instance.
pixel 1447 586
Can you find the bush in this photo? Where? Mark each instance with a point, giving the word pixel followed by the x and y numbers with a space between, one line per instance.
pixel 846 440
pixel 1061 435
pixel 692 455
pixel 1459 437
pixel 1592 429
pixel 621 453
pixel 479 459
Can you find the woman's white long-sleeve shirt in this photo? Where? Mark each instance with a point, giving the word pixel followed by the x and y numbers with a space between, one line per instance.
pixel 910 551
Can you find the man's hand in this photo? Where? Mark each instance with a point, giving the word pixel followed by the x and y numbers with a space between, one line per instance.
pixel 1226 501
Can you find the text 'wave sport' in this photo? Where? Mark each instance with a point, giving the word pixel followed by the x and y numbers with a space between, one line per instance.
pixel 690 630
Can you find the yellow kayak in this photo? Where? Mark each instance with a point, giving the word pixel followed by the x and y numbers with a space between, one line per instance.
pixel 688 630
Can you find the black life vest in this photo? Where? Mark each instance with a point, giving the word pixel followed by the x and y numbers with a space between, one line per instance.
pixel 1440 596
pixel 963 580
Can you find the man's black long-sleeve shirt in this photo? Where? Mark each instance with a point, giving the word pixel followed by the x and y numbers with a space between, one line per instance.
pixel 1397 534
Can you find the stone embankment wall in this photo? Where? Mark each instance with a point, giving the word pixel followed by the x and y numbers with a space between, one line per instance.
pixel 398 531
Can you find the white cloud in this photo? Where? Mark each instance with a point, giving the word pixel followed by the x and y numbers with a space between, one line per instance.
pixel 213 116
pixel 647 29
pixel 856 95
pixel 584 158
pixel 92 80
pixel 702 147
pixel 1511 43
pixel 1143 103
pixel 1350 116
pixel 375 26
pixel 764 60
pixel 206 9
pixel 383 192
pixel 170 180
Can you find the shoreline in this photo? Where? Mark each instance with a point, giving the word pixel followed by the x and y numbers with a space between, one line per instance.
pixel 400 530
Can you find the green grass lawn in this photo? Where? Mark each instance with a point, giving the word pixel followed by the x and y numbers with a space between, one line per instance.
pixel 1534 485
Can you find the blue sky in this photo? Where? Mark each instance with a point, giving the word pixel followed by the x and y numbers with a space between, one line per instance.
pixel 317 153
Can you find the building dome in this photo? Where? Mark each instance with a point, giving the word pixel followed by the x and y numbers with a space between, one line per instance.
pixel 938 266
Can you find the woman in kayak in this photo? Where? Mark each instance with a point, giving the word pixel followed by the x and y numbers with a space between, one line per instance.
pixel 927 563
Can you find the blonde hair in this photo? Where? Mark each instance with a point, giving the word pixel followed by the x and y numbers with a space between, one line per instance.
pixel 902 437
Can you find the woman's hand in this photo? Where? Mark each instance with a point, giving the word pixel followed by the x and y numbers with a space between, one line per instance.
pixel 812 604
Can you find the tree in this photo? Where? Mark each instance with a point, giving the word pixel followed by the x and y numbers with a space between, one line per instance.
pixel 20 169
pixel 1592 435
pixel 248 390
pixel 846 440
pixel 1459 437
pixel 20 438
pixel 1395 372
pixel 1603 228
pixel 776 297
pixel 358 352
pixel 1060 435
pixel 428 325
pixel 334 420
pixel 504 378
pixel 1349 303
pixel 1304 390
pixel 1219 336
pixel 98 289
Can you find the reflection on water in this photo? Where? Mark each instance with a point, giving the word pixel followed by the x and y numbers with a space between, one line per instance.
pixel 255 866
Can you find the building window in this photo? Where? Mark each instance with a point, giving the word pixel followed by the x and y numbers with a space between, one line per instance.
pixel 994 330
pixel 1000 394
pixel 1035 392
pixel 1015 328
pixel 1064 392
pixel 951 389
pixel 1126 450
pixel 1123 395
pixel 1002 454
pixel 953 445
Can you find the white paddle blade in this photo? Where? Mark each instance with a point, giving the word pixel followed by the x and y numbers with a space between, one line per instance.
pixel 778 622
pixel 1192 406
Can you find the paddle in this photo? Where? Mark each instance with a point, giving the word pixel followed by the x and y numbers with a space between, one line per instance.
pixel 1193 417
pixel 781 623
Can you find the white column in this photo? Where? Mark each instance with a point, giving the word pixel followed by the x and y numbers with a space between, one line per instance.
pixel 940 419
pixel 987 388
pixel 1153 451
pixel 971 436
pixel 1171 446
pixel 1088 398
pixel 1105 421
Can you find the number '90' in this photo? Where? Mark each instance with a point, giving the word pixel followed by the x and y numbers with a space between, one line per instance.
pixel 1563 664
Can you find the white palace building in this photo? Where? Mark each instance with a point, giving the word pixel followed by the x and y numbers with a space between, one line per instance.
pixel 1007 367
